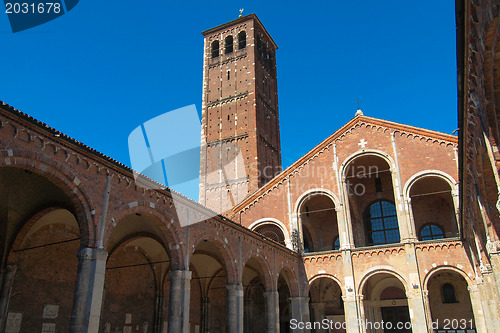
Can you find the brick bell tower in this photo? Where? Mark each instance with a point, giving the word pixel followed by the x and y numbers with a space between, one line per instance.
pixel 240 122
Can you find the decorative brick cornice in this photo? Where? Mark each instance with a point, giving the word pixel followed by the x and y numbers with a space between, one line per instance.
pixel 227 99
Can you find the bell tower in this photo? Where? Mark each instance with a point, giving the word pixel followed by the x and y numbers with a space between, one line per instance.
pixel 240 122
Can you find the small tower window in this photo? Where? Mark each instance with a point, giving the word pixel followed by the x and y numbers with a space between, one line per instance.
pixel 228 75
pixel 242 40
pixel 215 49
pixel 229 44
pixel 449 293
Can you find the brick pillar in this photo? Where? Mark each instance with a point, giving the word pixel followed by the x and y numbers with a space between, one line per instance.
pixel 318 314
pixel 89 288
pixel 272 311
pixel 6 281
pixel 178 308
pixel 299 309
pixel 235 308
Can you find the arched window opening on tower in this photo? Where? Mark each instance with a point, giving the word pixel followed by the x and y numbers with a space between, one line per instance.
pixel 381 223
pixel 449 293
pixel 431 231
pixel 215 49
pixel 229 45
pixel 242 40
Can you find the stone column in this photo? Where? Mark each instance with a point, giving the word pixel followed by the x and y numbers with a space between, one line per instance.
pixel 234 306
pixel 405 224
pixel 89 289
pixel 418 315
pixel 352 310
pixel 178 309
pixel 416 304
pixel 272 311
pixel 318 314
pixel 299 309
pixel 5 289
pixel 248 315
pixel 205 314
pixel 352 315
pixel 481 317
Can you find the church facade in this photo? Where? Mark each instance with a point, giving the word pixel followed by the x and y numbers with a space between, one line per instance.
pixel 382 227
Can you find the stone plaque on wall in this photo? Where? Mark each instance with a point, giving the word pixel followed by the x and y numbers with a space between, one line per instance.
pixel 14 322
pixel 128 318
pixel 127 329
pixel 48 328
pixel 50 311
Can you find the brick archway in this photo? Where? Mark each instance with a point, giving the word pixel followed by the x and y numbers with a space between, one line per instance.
pixel 168 234
pixel 59 175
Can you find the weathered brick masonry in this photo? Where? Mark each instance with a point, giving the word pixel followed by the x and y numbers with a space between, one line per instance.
pixel 379 222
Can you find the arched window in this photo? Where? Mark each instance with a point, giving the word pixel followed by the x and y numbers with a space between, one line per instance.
pixel 271 231
pixel 381 223
pixel 215 49
pixel 229 44
pixel 431 231
pixel 336 244
pixel 242 40
pixel 449 293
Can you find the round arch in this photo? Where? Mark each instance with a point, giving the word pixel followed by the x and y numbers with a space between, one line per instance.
pixel 380 270
pixel 323 191
pixel 164 232
pixel 320 276
pixel 291 280
pixel 226 255
pixel 429 173
pixel 273 221
pixel 269 280
pixel 30 228
pixel 444 269
pixel 366 152
pixel 63 178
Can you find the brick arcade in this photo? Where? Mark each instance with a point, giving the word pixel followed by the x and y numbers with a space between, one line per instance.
pixel 373 224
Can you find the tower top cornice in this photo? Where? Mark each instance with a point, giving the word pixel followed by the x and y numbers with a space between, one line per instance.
pixel 238 21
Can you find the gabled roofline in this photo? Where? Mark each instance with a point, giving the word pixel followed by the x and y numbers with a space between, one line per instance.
pixel 240 20
pixel 396 126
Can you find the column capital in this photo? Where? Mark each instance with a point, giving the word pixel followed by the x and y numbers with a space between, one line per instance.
pixel 92 253
pixel 298 299
pixel 180 275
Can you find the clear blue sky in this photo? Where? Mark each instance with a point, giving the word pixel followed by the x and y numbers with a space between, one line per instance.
pixel 102 69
